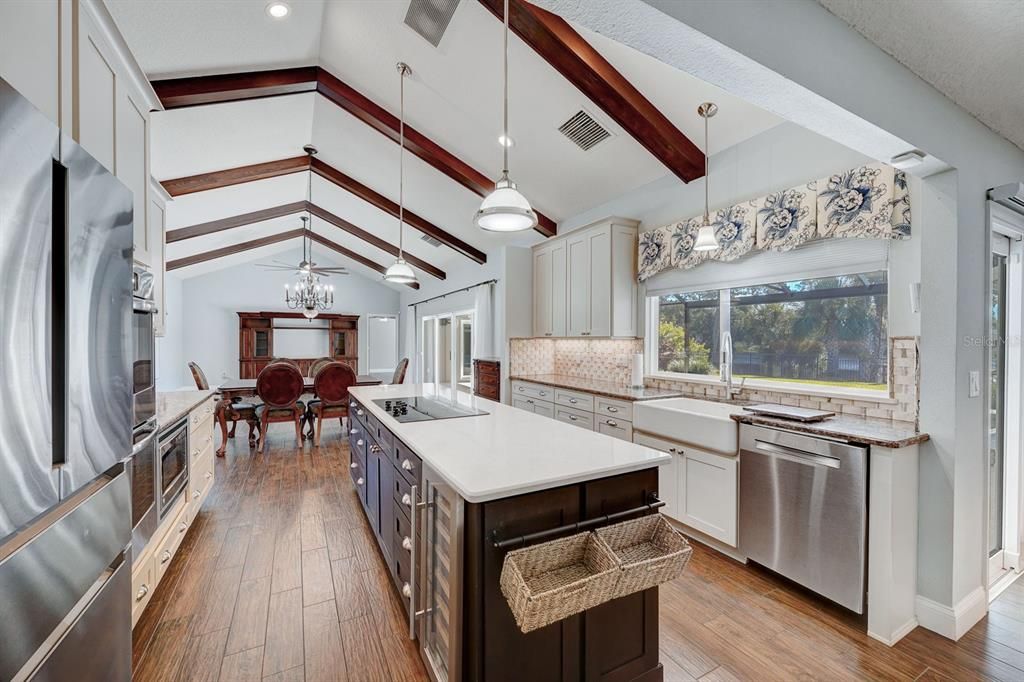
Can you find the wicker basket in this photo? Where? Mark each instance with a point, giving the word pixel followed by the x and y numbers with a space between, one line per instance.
pixel 554 580
pixel 649 551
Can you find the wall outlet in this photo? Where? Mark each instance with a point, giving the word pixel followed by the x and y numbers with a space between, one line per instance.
pixel 974 384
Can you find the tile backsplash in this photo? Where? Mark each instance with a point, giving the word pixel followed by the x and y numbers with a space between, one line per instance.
pixel 609 360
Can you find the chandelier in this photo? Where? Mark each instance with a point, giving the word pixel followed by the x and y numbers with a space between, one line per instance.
pixel 308 293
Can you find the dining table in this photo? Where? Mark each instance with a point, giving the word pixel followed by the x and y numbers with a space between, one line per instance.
pixel 246 388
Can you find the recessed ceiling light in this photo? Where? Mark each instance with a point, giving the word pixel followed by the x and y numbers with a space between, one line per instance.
pixel 278 10
pixel 506 141
pixel 908 159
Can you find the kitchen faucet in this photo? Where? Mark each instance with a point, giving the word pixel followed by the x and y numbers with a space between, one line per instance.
pixel 725 368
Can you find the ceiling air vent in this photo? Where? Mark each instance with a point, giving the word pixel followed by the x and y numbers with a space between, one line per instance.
pixel 584 131
pixel 430 18
pixel 430 240
pixel 1011 196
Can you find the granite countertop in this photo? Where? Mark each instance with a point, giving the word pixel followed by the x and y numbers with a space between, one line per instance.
pixel 506 451
pixel 173 405
pixel 609 389
pixel 880 432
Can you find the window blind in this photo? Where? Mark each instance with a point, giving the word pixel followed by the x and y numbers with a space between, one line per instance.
pixel 824 258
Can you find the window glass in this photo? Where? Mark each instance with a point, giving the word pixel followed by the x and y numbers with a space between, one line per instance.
pixel 689 332
pixel 829 331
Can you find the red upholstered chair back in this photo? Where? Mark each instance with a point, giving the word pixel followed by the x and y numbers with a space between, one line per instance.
pixel 332 381
pixel 399 375
pixel 199 377
pixel 279 385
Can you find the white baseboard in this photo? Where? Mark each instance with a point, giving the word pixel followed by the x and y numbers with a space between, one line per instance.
pixel 897 635
pixel 954 622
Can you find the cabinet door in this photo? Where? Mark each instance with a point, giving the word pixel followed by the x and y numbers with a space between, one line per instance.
pixel 599 284
pixel 668 487
pixel 623 295
pixel 579 284
pixel 542 295
pixel 707 494
pixel 559 283
pixel 373 488
pixel 96 102
pixel 131 170
pixel 385 530
pixel 30 52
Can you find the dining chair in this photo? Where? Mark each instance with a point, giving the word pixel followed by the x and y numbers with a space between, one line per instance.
pixel 317 365
pixel 331 386
pixel 237 410
pixel 287 361
pixel 279 386
pixel 399 376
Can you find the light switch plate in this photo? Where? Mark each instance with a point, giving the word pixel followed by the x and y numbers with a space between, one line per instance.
pixel 974 384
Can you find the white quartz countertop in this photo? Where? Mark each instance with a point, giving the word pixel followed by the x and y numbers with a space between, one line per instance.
pixel 507 451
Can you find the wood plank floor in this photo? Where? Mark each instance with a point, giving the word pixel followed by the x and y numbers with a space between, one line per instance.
pixel 279 579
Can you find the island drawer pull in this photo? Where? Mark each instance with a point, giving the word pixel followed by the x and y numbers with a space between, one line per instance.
pixel 353 465
pixel 407 543
pixel 360 442
pixel 407 465
pixel 360 481
pixel 407 500
pixel 353 432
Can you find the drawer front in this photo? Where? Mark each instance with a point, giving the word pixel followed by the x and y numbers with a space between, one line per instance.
pixel 402 489
pixel 616 409
pixel 616 428
pixel 575 417
pixel 544 408
pixel 200 483
pixel 200 445
pixel 527 390
pixel 522 403
pixel 358 473
pixel 357 412
pixel 143 587
pixel 408 463
pixel 200 419
pixel 574 399
pixel 171 540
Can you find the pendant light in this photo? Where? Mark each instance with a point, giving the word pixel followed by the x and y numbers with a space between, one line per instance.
pixel 400 272
pixel 505 209
pixel 706 240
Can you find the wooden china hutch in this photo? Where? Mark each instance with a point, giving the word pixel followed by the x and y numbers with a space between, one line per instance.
pixel 256 340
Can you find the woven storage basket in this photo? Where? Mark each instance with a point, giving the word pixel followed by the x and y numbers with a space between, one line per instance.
pixel 554 580
pixel 649 551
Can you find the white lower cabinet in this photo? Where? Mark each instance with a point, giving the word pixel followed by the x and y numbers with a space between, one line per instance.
pixel 698 487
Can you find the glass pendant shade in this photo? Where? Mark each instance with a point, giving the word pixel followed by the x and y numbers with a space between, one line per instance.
pixel 400 273
pixel 706 240
pixel 310 313
pixel 506 209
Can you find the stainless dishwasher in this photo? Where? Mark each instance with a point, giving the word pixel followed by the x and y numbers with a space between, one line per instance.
pixel 803 510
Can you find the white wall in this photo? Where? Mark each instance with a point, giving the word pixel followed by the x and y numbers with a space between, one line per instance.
pixel 212 301
pixel 171 364
pixel 829 79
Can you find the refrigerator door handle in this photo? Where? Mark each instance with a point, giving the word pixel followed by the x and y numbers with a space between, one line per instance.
pixel 58 312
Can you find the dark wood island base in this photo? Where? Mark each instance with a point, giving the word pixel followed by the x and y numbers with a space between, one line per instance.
pixel 442 553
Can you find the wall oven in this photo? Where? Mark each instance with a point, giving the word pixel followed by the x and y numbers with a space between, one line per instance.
pixel 172 466
pixel 144 351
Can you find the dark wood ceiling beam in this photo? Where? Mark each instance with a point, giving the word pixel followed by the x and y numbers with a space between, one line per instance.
pixel 175 93
pixel 241 247
pixel 348 253
pixel 233 249
pixel 214 226
pixel 235 176
pixel 378 200
pixel 555 41
pixel 374 240
pixel 260 171
pixel 186 92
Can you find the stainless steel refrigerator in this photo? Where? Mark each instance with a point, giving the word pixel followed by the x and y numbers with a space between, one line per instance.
pixel 65 405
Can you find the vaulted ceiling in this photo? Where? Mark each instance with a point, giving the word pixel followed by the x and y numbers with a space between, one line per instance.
pixel 453 98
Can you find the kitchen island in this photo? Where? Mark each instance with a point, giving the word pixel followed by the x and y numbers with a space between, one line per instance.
pixel 448 494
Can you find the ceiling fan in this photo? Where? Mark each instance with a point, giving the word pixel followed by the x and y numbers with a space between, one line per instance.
pixel 306 266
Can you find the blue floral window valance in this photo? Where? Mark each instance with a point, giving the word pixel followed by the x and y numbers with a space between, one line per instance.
pixel 869 201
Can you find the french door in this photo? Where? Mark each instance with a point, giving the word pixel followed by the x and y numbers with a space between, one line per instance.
pixel 1004 400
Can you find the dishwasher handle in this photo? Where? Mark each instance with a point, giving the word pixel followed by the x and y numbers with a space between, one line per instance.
pixel 796 455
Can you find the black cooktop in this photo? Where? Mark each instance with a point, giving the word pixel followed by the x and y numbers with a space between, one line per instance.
pixel 424 409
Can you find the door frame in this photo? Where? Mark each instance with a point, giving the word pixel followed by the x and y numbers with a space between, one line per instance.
pixel 1003 567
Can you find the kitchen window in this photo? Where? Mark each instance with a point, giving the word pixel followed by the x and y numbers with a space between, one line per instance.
pixel 818 332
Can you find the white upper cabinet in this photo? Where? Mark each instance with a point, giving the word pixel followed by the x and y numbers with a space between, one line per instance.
pixel 549 287
pixel 133 170
pixel 30 52
pixel 585 282
pixel 156 217
pixel 97 119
